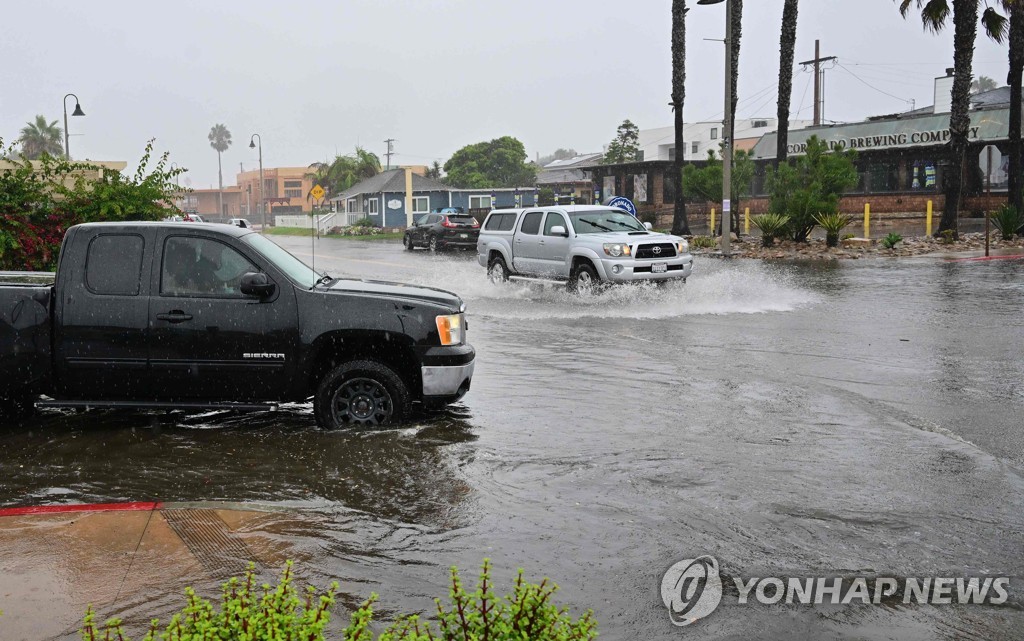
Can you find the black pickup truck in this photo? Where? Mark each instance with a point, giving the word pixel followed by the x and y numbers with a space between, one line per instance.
pixel 196 316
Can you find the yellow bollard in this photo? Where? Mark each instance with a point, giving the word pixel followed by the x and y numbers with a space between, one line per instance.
pixel 712 232
pixel 867 220
pixel 928 223
pixel 746 221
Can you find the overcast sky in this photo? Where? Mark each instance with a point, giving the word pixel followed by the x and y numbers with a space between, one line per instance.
pixel 318 78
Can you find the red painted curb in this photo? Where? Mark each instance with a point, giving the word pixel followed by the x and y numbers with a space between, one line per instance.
pixel 89 507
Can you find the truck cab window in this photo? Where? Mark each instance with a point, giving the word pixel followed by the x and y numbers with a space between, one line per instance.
pixel 554 220
pixel 113 265
pixel 531 223
pixel 202 267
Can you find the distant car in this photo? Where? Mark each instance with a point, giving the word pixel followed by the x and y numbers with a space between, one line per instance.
pixel 447 210
pixel 438 231
pixel 240 222
pixel 173 219
pixel 194 218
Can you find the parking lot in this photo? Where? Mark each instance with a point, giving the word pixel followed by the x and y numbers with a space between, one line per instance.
pixel 803 419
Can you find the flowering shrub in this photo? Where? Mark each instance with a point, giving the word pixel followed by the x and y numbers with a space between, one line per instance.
pixel 40 199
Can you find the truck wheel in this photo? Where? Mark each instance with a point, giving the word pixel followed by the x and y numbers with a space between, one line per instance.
pixel 584 279
pixel 433 244
pixel 360 394
pixel 407 241
pixel 497 271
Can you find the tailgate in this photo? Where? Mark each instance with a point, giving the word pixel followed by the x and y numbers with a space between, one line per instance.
pixel 24 334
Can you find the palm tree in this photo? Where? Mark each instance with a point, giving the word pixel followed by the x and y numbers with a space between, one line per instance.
pixel 220 140
pixel 982 84
pixel 737 35
pixel 787 49
pixel 1016 37
pixel 367 164
pixel 434 171
pixel 680 225
pixel 39 137
pixel 934 14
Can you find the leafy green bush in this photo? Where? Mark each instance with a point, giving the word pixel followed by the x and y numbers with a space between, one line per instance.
pixel 811 185
pixel 891 240
pixel 832 224
pixel 365 221
pixel 948 236
pixel 1007 220
pixel 40 199
pixel 277 613
pixel 848 236
pixel 703 242
pixel 772 226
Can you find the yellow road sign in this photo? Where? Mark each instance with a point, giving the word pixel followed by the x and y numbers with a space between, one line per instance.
pixel 317 193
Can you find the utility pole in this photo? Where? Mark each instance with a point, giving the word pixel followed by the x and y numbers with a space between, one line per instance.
pixel 819 75
pixel 390 142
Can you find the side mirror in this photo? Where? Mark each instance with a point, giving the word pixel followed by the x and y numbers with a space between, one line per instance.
pixel 558 230
pixel 257 284
pixel 648 226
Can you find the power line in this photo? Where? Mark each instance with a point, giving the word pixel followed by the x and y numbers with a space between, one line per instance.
pixel 866 83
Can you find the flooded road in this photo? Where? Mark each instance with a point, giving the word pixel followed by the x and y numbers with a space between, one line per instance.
pixel 789 420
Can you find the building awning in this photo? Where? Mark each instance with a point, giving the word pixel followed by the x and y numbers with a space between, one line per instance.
pixel 990 125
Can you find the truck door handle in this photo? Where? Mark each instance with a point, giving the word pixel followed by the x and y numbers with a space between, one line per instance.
pixel 175 316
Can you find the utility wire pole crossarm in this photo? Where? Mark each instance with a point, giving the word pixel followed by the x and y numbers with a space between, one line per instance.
pixel 390 152
pixel 819 99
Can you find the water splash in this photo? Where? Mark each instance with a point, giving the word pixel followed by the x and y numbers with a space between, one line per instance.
pixel 715 287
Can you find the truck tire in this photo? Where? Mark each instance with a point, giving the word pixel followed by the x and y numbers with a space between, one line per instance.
pixel 407 241
pixel 497 270
pixel 584 278
pixel 360 393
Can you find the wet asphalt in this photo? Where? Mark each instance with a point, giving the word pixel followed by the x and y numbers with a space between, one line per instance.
pixel 803 420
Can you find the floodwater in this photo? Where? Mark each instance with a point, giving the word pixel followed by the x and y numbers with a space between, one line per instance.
pixel 795 420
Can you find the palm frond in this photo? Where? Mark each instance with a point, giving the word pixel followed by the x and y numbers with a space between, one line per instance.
pixel 934 15
pixel 996 25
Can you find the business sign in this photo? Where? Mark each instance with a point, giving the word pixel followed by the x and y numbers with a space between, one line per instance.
pixel 887 141
pixel 624 204
pixel 394 203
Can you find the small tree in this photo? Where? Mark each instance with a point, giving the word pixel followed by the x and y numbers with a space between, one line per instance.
pixel 811 186
pixel 625 146
pixel 705 183
pixel 497 163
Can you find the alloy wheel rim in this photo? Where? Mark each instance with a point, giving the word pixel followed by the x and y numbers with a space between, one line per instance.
pixel 361 401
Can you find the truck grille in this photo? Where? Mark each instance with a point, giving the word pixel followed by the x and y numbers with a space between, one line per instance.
pixel 660 250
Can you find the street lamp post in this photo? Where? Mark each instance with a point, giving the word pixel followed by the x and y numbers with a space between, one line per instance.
pixel 77 112
pixel 727 133
pixel 263 201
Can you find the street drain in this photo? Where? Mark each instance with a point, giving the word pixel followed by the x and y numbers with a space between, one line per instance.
pixel 207 537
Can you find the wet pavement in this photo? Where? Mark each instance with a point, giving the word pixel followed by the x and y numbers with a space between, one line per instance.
pixel 788 419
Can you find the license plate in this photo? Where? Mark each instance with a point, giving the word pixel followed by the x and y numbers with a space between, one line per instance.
pixel 659 268
pixel 463 235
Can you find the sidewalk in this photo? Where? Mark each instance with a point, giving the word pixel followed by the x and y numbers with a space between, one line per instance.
pixel 55 561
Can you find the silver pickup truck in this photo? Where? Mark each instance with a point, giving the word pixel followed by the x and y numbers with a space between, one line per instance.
pixel 580 245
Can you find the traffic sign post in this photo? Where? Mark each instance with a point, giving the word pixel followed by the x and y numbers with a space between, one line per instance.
pixel 623 203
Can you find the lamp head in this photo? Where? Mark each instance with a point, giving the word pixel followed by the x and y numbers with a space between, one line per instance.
pixel 252 144
pixel 78 110
pixel 709 1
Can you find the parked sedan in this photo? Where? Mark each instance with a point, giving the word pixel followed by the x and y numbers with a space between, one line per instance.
pixel 439 231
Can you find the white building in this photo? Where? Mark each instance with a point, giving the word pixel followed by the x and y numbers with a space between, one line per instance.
pixel 701 137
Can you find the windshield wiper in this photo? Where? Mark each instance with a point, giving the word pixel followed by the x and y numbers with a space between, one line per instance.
pixel 323 280
pixel 593 224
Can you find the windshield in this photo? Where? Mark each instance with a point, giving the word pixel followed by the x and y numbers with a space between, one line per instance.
pixel 293 268
pixel 595 221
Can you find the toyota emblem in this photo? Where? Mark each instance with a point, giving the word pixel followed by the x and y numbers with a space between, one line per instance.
pixel 656 250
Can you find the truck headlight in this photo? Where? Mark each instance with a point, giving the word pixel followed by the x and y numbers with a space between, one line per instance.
pixel 451 329
pixel 682 247
pixel 616 249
